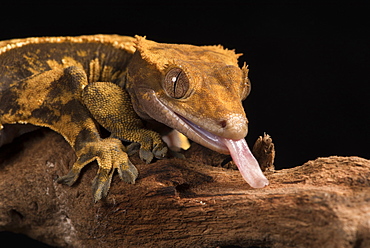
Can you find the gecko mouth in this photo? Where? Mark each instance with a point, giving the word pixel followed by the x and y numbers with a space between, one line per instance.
pixel 211 139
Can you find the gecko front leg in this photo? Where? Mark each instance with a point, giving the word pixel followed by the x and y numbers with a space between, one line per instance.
pixel 89 146
pixel 111 106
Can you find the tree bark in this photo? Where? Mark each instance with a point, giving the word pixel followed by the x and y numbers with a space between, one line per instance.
pixel 182 203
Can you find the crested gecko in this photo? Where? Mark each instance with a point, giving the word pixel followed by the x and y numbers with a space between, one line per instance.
pixel 73 85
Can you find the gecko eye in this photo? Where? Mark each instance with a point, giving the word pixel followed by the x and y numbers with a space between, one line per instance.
pixel 176 83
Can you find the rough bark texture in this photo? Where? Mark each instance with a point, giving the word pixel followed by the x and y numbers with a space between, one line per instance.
pixel 182 203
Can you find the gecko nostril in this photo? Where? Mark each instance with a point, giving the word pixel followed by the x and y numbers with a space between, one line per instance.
pixel 223 123
pixel 232 126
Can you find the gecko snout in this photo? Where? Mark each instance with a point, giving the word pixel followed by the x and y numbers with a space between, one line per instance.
pixel 234 127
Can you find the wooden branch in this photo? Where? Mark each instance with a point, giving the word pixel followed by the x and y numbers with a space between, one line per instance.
pixel 182 203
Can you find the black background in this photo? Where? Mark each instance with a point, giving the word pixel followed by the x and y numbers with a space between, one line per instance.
pixel 308 64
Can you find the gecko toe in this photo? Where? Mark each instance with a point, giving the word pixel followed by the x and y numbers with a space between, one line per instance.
pixel 70 178
pixel 146 155
pixel 102 181
pixel 128 175
pixel 101 184
pixel 133 148
pixel 160 151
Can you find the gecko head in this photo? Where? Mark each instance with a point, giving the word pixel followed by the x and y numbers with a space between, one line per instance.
pixel 197 90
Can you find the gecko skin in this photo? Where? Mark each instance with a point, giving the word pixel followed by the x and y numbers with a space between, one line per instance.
pixel 73 85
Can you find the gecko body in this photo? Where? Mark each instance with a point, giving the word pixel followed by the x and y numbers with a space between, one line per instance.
pixel 73 85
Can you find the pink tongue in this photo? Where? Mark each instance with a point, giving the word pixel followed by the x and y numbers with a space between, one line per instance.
pixel 247 164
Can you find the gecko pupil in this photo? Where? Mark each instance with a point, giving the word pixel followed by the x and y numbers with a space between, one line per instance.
pixel 176 83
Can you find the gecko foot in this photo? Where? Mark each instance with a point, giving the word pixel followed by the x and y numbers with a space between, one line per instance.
pixel 110 155
pixel 158 152
pixel 148 148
